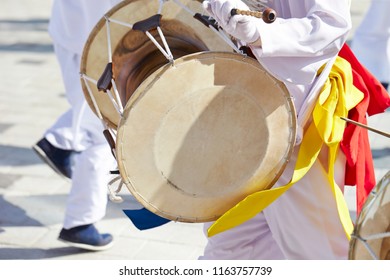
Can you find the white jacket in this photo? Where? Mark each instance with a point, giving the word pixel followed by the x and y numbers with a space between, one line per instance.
pixel 294 52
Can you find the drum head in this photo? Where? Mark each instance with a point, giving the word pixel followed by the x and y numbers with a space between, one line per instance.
pixel 374 219
pixel 199 136
pixel 134 56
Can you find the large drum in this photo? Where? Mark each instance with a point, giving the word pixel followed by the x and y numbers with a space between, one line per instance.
pixel 371 237
pixel 198 127
pixel 199 136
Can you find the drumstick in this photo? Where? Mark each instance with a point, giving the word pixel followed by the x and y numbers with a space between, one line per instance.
pixel 366 127
pixel 268 14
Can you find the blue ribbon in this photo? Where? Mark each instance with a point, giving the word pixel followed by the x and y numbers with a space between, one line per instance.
pixel 144 219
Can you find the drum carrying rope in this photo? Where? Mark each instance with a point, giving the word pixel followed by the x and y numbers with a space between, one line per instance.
pixel 108 132
pixel 113 195
pixel 96 107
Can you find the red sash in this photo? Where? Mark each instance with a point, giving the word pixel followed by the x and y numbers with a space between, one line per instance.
pixel 355 143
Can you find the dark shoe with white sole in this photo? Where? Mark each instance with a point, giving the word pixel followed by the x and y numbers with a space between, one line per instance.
pixel 86 237
pixel 58 159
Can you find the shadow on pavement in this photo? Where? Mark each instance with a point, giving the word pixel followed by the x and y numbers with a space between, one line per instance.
pixel 18 156
pixel 36 253
pixel 380 153
pixel 13 215
pixel 31 25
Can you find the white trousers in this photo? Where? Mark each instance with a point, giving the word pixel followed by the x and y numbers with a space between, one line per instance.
pixel 87 200
pixel 80 130
pixel 79 127
pixel 301 224
pixel 371 41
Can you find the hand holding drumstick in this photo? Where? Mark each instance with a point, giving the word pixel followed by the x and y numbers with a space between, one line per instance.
pixel 267 14
pixel 235 17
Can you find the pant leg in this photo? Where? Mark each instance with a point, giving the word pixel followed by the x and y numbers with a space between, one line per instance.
pixel 250 240
pixel 84 131
pixel 77 128
pixel 60 134
pixel 87 199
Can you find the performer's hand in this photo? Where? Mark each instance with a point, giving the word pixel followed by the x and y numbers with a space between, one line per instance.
pixel 239 26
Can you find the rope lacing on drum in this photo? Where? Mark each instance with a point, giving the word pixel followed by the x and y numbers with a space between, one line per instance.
pixel 117 105
pixel 107 81
pixel 107 130
pixel 146 28
pixel 371 237
pixel 113 195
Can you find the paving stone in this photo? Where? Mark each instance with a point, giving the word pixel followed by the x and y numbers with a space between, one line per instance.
pixel 8 179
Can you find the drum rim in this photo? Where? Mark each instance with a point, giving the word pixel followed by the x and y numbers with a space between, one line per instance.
pixel 367 207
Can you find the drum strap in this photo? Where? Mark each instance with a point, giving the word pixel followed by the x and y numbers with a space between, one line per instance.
pixel 336 98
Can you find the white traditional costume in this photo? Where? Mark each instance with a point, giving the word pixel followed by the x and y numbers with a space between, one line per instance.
pixel 79 129
pixel 304 222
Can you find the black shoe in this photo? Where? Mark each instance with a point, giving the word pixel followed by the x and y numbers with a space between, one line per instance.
pixel 58 159
pixel 86 237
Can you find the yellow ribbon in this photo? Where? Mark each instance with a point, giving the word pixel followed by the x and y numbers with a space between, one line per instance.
pixel 336 98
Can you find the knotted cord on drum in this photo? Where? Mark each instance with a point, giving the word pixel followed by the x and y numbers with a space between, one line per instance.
pixel 113 195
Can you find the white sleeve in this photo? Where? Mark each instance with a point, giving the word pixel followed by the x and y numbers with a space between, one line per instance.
pixel 305 37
